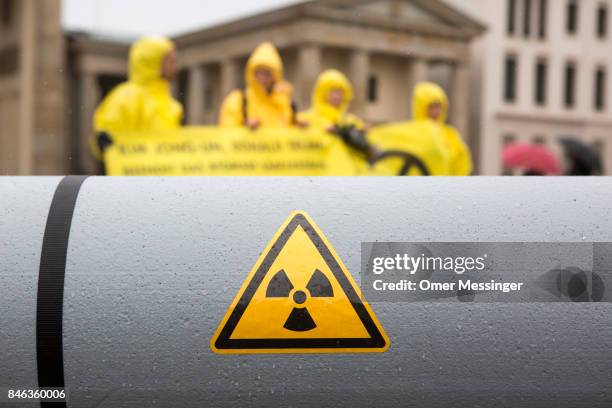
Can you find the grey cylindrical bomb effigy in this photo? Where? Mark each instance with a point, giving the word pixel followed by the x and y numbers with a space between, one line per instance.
pixel 153 265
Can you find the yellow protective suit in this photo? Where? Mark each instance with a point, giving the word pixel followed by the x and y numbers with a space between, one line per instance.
pixel 321 113
pixel 459 157
pixel 271 109
pixel 144 102
pixel 423 139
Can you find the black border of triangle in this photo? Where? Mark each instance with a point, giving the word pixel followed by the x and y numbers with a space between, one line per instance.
pixel 224 341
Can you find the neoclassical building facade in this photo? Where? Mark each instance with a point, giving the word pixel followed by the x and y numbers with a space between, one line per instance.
pixel 385 47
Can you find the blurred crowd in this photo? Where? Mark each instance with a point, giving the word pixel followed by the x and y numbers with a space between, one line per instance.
pixel 427 142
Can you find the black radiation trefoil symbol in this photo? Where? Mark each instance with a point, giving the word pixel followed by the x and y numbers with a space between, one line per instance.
pixel 300 319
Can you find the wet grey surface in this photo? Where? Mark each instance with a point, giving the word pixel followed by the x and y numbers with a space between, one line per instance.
pixel 24 205
pixel 153 265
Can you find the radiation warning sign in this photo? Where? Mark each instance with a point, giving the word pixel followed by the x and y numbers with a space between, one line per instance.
pixel 299 298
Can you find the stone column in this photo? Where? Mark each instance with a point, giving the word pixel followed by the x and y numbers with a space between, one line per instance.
pixel 418 71
pixel 51 154
pixel 229 76
pixel 27 102
pixel 359 74
pixel 195 95
pixel 309 68
pixel 459 99
pixel 89 96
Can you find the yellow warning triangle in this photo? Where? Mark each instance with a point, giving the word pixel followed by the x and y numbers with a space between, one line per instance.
pixel 299 298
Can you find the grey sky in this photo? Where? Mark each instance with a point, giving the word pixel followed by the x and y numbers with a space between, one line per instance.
pixel 131 18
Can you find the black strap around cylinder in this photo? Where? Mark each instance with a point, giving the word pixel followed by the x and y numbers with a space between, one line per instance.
pixel 50 303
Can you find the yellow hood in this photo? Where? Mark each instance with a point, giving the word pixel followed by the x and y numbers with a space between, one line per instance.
pixel 426 93
pixel 329 80
pixel 146 58
pixel 264 56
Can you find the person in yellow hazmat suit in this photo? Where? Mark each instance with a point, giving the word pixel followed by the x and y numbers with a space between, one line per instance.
pixel 331 98
pixel 267 100
pixel 427 137
pixel 145 101
pixel 330 101
pixel 431 103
